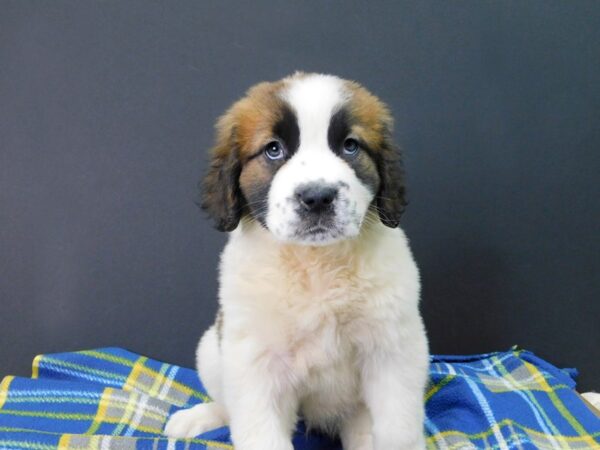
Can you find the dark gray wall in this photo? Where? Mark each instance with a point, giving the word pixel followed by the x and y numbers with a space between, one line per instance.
pixel 106 111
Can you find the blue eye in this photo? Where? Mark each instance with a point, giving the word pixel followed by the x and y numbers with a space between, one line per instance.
pixel 274 150
pixel 351 146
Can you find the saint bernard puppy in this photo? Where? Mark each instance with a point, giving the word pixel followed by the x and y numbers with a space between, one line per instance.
pixel 319 293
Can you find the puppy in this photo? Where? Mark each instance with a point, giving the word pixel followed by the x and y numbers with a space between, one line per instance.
pixel 319 291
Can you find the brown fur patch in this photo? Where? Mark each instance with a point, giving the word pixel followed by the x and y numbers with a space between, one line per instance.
pixel 373 123
pixel 251 119
pixel 241 132
pixel 366 169
pixel 255 181
pixel 372 120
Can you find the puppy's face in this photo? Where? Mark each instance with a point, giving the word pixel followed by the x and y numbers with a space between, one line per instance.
pixel 307 157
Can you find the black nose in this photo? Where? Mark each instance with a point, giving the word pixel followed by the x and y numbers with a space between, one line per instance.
pixel 316 197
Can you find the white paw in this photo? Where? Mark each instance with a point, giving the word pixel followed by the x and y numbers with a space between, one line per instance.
pixel 362 442
pixel 188 423
pixel 262 445
pixel 399 442
pixel 593 398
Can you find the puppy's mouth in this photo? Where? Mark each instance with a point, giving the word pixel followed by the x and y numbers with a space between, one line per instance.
pixel 318 230
pixel 319 233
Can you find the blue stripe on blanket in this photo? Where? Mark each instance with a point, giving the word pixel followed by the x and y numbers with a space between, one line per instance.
pixel 113 399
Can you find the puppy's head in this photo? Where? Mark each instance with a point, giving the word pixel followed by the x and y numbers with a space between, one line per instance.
pixel 307 157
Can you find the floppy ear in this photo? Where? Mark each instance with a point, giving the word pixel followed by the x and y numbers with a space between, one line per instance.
pixel 221 195
pixel 391 200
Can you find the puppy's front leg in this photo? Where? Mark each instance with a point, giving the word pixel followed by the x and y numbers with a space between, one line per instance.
pixel 261 406
pixel 393 387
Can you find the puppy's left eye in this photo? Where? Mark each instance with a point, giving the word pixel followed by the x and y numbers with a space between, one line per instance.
pixel 351 147
pixel 274 150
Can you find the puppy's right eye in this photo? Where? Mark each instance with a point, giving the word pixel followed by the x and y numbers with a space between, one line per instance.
pixel 274 150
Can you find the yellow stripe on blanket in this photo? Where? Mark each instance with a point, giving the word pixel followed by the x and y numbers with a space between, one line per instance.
pixel 154 377
pixel 35 367
pixel 4 389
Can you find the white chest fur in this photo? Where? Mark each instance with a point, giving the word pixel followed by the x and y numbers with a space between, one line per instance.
pixel 309 313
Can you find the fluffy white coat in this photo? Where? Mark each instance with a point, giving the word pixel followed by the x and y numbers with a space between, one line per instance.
pixel 332 331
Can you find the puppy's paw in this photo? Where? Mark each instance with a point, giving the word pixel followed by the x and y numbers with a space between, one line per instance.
pixel 262 445
pixel 360 442
pixel 399 442
pixel 593 398
pixel 188 423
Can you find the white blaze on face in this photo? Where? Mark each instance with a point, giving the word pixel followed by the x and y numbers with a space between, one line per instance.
pixel 315 99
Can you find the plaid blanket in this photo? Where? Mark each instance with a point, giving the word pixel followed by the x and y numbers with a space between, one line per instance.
pixel 114 399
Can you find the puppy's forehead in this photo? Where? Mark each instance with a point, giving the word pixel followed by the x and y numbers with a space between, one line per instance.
pixel 304 108
pixel 314 99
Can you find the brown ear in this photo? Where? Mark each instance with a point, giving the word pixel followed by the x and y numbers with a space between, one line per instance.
pixel 221 196
pixel 391 200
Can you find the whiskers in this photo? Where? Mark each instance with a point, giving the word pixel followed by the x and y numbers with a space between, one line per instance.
pixel 380 214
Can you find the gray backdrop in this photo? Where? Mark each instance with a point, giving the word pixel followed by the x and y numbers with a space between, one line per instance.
pixel 106 112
